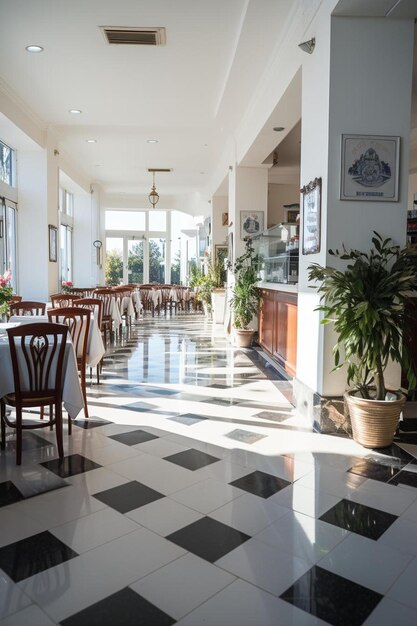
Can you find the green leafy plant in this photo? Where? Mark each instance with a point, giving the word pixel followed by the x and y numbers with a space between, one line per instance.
pixel 245 300
pixel 369 305
pixel 6 292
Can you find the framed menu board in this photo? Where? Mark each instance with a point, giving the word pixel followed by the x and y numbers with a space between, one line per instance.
pixel 311 216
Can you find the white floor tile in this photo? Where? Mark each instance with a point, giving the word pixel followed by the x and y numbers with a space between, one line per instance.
pixel 93 530
pixel 249 514
pixel 264 566
pixel 30 616
pixel 330 480
pixel 246 605
pixel 404 589
pixel 165 588
pixel 61 506
pixel 156 473
pixel 72 586
pixel 366 562
pixel 207 495
pixel 97 480
pixel 160 447
pixel 411 512
pixel 14 525
pixel 12 598
pixel 302 536
pixel 379 495
pixel 402 536
pixel 388 613
pixel 308 501
pixel 164 516
pixel 113 453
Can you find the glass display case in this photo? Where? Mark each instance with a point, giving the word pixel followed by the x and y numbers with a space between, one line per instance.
pixel 279 248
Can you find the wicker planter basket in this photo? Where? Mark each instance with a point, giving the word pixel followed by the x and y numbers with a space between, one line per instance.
pixel 374 422
pixel 243 338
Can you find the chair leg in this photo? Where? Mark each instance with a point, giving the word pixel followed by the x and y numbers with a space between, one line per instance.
pixel 18 436
pixel 51 416
pixel 84 390
pixel 3 426
pixel 58 429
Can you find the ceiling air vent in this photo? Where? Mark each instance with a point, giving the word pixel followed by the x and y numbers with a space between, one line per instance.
pixel 141 36
pixel 159 169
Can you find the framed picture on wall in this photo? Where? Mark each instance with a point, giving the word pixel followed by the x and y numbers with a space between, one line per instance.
pixel 221 255
pixel 53 243
pixel 251 223
pixel 311 216
pixel 225 219
pixel 370 167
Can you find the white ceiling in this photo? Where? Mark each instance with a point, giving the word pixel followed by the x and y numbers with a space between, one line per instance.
pixel 189 94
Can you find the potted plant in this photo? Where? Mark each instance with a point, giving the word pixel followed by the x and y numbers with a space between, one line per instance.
pixel 202 284
pixel 245 299
pixel 6 294
pixel 368 304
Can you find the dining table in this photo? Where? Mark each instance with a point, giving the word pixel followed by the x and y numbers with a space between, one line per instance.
pixel 95 345
pixel 72 396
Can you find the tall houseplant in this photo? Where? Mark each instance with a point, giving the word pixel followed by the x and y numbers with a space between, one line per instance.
pixel 368 304
pixel 245 299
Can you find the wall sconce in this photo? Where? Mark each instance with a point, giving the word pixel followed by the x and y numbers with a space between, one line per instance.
pixel 308 46
pixel 98 244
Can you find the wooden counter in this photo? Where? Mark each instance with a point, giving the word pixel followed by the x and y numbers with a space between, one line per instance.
pixel 278 327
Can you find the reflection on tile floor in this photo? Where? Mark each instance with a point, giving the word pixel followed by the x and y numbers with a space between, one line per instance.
pixel 195 494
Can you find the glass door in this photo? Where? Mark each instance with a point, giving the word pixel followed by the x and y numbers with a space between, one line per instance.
pixel 114 260
pixel 135 261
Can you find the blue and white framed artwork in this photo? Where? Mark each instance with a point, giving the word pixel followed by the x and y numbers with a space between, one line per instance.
pixel 370 166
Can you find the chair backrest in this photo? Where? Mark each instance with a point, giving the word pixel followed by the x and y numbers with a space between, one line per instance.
pixel 37 353
pixel 27 307
pixel 106 295
pixel 15 299
pixel 78 321
pixel 63 299
pixel 93 304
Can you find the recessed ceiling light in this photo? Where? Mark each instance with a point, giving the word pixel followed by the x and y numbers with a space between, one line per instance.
pixel 152 141
pixel 201 172
pixel 91 140
pixel 34 48
pixel 97 165
pixel 278 129
pixel 75 111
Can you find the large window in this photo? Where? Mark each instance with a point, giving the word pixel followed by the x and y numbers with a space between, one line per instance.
pixel 157 260
pixel 8 254
pixel 114 260
pixel 6 164
pixel 126 220
pixel 135 259
pixel 65 252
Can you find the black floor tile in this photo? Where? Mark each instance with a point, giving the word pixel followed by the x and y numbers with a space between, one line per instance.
pixel 274 416
pixel 405 478
pixel 133 437
pixel 261 484
pixel 208 538
pixel 159 391
pixel 222 401
pixel 188 419
pixel 371 469
pixel 129 496
pixel 358 518
pixel 32 555
pixel 9 493
pixel 245 436
pixel 124 608
pixel 91 422
pixel 192 459
pixel 141 407
pixel 70 465
pixel 332 598
pixel 393 455
pixel 218 386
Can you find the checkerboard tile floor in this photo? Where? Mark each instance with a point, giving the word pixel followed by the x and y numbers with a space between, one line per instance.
pixel 194 494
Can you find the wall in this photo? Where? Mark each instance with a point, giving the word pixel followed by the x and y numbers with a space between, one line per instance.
pixel 33 225
pixel 219 205
pixel 278 195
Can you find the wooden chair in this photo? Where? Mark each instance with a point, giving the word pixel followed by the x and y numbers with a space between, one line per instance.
pixel 78 321
pixel 27 307
pixel 96 306
pixel 37 353
pixel 105 295
pixel 122 292
pixel 63 299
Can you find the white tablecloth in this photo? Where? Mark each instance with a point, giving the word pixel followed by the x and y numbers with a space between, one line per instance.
pixel 137 301
pixel 115 313
pixel 127 306
pixel 95 345
pixel 71 394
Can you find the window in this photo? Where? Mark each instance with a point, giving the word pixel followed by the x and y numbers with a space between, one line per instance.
pixel 157 261
pixel 126 220
pixel 65 252
pixel 6 164
pixel 157 220
pixel 66 202
pixel 135 256
pixel 176 261
pixel 114 260
pixel 8 256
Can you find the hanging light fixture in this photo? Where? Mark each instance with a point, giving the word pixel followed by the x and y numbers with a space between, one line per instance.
pixel 153 195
